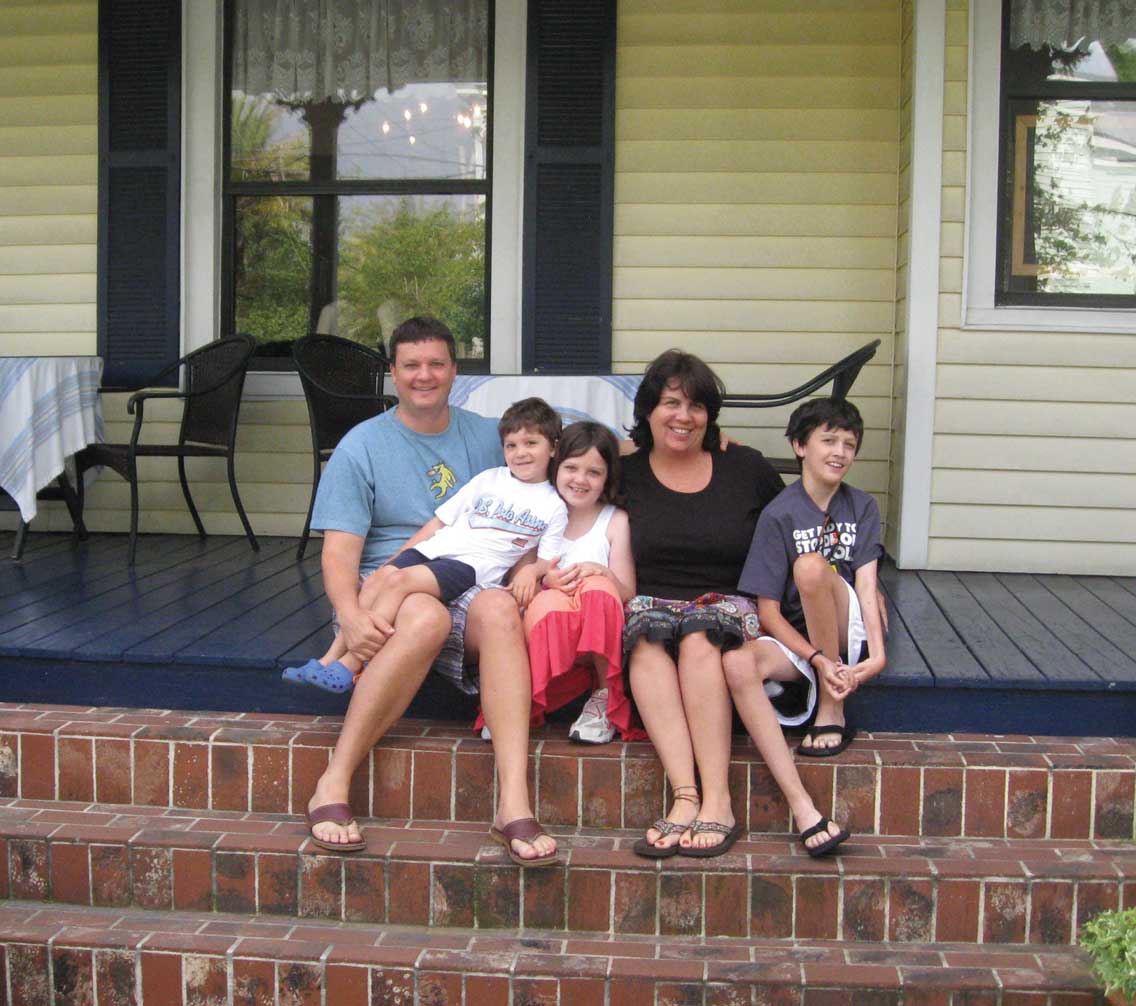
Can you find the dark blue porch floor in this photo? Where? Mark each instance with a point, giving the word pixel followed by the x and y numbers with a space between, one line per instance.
pixel 208 624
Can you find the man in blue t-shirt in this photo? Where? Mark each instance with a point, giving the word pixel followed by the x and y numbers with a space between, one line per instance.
pixel 382 484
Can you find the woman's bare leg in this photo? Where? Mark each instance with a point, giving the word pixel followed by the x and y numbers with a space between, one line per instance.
pixel 706 701
pixel 654 683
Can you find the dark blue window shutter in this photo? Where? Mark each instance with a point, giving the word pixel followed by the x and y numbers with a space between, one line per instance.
pixel 139 187
pixel 569 178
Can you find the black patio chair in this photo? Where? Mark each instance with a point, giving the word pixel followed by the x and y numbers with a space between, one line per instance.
pixel 214 378
pixel 343 385
pixel 842 375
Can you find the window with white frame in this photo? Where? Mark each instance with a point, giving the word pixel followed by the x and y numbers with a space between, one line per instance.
pixel 357 179
pixel 1052 165
pixel 1067 199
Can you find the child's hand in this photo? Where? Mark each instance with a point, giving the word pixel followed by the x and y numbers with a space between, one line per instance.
pixel 833 676
pixel 566 579
pixel 523 586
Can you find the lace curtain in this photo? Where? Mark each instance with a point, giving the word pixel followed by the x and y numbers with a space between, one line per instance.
pixel 344 50
pixel 1063 23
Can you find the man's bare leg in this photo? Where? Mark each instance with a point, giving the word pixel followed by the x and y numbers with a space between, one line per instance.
pixel 384 593
pixel 393 677
pixel 494 636
pixel 824 599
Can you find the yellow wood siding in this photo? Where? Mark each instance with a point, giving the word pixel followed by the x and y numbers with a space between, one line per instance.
pixel 1034 448
pixel 757 155
pixel 48 177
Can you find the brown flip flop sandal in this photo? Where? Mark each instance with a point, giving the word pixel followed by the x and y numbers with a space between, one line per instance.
pixel 336 813
pixel 527 830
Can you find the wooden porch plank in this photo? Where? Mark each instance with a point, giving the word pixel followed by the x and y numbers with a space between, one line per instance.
pixel 1108 633
pixel 904 661
pixel 54 564
pixel 240 643
pixel 302 627
pixel 121 605
pixel 24 641
pixel 87 578
pixel 942 649
pixel 989 644
pixel 311 646
pixel 163 646
pixel 1115 592
pixel 1029 631
pixel 209 585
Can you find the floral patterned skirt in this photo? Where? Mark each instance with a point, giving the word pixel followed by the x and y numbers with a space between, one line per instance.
pixel 728 621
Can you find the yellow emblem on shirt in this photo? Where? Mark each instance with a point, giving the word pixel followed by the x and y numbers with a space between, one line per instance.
pixel 444 480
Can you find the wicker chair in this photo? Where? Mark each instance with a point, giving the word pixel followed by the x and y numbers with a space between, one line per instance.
pixel 842 375
pixel 343 385
pixel 214 378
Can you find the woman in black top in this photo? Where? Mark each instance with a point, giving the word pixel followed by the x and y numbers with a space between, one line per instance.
pixel 693 509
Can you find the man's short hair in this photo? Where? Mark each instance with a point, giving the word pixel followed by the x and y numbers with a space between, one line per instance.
pixel 531 414
pixel 827 413
pixel 422 328
pixel 699 383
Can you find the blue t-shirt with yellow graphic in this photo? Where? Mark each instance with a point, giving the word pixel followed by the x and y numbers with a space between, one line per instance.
pixel 385 481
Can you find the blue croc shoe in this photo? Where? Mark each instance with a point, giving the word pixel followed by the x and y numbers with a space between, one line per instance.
pixel 298 675
pixel 334 678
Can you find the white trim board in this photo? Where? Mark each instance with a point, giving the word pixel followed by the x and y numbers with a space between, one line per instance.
pixel 922 302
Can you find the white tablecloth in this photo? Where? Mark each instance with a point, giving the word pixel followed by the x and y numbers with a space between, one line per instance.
pixel 49 409
pixel 607 399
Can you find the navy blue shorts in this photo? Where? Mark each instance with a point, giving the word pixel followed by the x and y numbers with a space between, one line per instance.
pixel 454 577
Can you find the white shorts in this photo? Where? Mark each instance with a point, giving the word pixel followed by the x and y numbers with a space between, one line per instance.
pixel 857 637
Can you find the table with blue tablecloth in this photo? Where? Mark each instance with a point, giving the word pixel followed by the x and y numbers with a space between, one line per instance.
pixel 49 409
pixel 605 398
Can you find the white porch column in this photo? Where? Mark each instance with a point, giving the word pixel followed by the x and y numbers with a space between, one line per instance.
pixel 922 302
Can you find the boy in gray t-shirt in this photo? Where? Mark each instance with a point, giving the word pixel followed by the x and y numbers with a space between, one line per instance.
pixel 812 565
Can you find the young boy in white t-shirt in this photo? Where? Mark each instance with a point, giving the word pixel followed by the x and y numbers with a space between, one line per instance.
pixel 474 538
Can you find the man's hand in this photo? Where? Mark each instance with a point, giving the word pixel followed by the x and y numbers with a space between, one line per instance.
pixel 364 632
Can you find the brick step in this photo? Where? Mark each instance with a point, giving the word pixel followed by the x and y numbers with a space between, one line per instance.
pixel 889 784
pixel 124 956
pixel 450 874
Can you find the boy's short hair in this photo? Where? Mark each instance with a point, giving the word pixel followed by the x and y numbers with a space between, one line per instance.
pixel 531 414
pixel 422 328
pixel 579 438
pixel 828 413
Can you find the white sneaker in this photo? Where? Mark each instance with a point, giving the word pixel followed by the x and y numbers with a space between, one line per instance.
pixel 485 734
pixel 592 725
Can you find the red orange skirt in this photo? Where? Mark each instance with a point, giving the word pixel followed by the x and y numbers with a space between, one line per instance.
pixel 564 629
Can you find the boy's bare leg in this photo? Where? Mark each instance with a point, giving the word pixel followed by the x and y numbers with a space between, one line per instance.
pixel 495 637
pixel 658 697
pixel 746 671
pixel 824 598
pixel 706 702
pixel 393 677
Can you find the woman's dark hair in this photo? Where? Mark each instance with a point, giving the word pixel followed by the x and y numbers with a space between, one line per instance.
pixel 579 438
pixel 700 384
